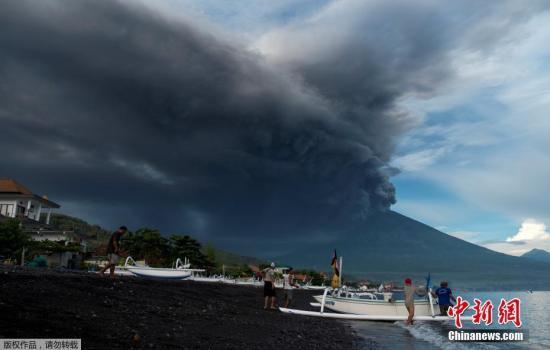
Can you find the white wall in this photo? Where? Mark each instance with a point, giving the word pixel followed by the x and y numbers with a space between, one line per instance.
pixel 33 212
pixel 11 206
pixel 54 237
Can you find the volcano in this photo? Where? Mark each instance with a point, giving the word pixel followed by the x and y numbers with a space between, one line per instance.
pixel 390 246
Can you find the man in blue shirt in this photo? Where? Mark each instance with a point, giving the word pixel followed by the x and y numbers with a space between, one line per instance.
pixel 444 296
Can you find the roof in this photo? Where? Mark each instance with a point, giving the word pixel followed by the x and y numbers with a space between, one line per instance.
pixel 10 188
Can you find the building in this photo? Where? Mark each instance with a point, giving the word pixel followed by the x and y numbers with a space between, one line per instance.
pixel 16 201
pixel 34 212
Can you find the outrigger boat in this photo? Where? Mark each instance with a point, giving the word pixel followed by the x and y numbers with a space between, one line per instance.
pixel 180 270
pixel 366 303
pixel 369 307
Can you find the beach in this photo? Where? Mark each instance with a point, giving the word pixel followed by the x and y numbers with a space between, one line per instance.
pixel 134 313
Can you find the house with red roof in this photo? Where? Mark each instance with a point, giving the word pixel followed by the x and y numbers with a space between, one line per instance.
pixel 34 213
pixel 17 201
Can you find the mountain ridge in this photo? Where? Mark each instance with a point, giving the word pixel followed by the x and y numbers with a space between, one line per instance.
pixel 537 254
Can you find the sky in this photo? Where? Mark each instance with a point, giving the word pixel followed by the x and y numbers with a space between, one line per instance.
pixel 283 119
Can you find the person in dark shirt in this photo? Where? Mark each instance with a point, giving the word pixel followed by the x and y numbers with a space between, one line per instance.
pixel 444 296
pixel 113 251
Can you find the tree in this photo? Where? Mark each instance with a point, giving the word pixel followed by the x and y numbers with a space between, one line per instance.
pixel 188 247
pixel 157 250
pixel 12 238
pixel 147 244
pixel 210 252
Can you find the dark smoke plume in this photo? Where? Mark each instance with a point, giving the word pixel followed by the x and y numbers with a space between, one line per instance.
pixel 126 116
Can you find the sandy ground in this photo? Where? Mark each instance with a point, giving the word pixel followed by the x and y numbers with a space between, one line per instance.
pixel 132 313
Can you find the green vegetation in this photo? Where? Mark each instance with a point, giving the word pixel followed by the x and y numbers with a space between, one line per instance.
pixel 53 247
pixel 315 277
pixel 231 259
pixel 94 235
pixel 147 244
pixel 12 239
pixel 157 250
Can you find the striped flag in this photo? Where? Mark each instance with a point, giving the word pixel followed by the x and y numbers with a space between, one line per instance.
pixel 336 272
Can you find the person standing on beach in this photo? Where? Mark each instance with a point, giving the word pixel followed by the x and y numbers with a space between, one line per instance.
pixel 113 251
pixel 444 296
pixel 409 300
pixel 288 285
pixel 269 286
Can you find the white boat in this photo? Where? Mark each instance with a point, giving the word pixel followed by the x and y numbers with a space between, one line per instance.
pixel 212 279
pixel 249 282
pixel 119 271
pixel 374 306
pixel 309 286
pixel 381 304
pixel 368 307
pixel 180 270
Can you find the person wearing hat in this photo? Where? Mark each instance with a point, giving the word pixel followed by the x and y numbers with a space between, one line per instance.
pixel 409 300
pixel 269 286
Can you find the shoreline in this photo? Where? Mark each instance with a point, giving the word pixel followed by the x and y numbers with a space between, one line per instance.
pixel 135 313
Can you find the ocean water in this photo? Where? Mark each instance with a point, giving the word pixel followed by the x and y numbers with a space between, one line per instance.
pixel 535 316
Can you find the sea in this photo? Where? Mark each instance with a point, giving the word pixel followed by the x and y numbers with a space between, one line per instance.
pixel 535 317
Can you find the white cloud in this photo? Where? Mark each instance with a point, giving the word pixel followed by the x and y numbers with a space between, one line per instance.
pixel 511 182
pixel 530 230
pixel 532 234
pixel 493 120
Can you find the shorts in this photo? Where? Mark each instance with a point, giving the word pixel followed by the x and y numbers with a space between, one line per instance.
pixel 288 294
pixel 113 258
pixel 443 309
pixel 269 290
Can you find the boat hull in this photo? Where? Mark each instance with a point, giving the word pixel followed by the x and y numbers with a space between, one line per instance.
pixel 375 307
pixel 159 273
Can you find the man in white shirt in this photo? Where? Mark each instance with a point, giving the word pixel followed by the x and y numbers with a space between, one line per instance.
pixel 288 285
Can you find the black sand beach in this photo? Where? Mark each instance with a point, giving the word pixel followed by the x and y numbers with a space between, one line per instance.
pixel 132 313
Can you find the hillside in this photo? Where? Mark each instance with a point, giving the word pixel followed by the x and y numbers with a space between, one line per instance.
pixel 391 246
pixel 95 236
pixel 232 259
pixel 537 254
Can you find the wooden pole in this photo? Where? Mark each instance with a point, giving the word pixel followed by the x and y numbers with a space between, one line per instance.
pixel 340 277
pixel 23 257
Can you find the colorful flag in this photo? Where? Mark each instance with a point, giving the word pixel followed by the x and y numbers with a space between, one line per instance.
pixel 336 272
